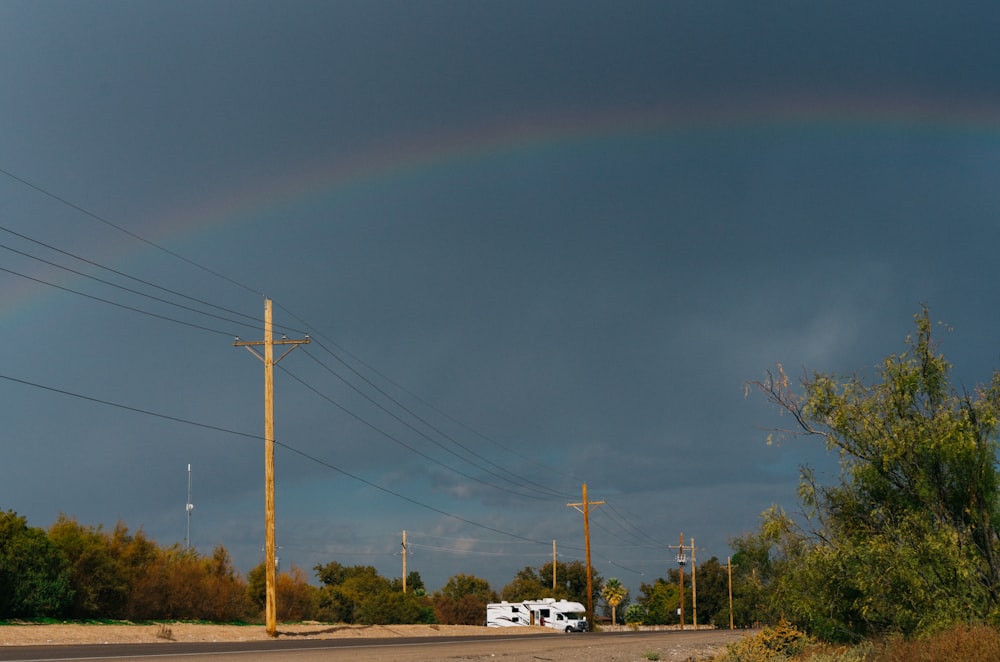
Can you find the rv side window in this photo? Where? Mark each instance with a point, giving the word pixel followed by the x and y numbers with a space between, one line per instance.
pixel 544 613
pixel 514 609
pixel 559 617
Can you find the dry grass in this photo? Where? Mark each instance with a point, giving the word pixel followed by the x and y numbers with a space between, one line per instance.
pixel 978 643
pixel 959 644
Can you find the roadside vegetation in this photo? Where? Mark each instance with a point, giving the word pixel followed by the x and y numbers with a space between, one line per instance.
pixel 899 554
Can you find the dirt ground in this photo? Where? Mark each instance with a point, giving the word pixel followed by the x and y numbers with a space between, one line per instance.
pixel 74 633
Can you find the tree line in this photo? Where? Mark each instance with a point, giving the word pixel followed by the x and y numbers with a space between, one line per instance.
pixel 73 571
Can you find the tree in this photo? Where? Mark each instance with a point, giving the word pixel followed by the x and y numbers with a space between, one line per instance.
pixel 526 586
pixel 613 593
pixel 571 583
pixel 462 600
pixel 100 587
pixel 660 600
pixel 713 593
pixel 346 588
pixel 635 614
pixel 296 600
pixel 34 575
pixel 906 540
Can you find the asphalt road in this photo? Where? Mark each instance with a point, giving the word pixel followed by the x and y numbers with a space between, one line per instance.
pixel 619 646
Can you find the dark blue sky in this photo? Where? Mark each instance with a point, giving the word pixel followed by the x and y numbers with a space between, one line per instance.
pixel 553 239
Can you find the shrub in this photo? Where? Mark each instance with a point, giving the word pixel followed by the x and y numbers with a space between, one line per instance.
pixel 772 644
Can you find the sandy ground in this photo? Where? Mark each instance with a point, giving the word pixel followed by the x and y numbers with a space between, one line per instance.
pixel 73 633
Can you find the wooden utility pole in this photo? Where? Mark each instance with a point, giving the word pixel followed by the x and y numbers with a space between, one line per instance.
pixel 270 609
pixel 553 566
pixel 694 588
pixel 681 560
pixel 404 560
pixel 729 567
pixel 584 507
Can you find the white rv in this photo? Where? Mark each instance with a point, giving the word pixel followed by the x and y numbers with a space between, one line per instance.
pixel 559 615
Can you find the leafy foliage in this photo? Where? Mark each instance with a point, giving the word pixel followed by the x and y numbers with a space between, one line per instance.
pixel 358 594
pixel 571 583
pixel 660 601
pixel 34 575
pixel 906 541
pixel 779 642
pixel 463 600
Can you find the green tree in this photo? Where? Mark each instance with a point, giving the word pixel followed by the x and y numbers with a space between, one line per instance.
pixel 713 593
pixel 571 583
pixel 526 586
pixel 346 588
pixel 660 600
pixel 613 593
pixel 463 599
pixel 100 586
pixel 906 540
pixel 34 575
pixel 636 614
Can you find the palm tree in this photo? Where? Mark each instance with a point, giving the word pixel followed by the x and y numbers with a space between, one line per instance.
pixel 613 593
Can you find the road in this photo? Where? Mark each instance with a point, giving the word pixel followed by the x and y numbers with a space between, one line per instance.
pixel 590 647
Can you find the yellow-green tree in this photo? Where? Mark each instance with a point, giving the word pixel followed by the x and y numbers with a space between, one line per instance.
pixel 906 540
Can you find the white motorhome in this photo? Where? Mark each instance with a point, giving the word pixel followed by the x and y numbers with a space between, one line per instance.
pixel 561 615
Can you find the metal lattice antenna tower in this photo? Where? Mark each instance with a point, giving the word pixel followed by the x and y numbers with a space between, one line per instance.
pixel 190 507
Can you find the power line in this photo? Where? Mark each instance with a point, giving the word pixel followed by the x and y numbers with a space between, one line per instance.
pixel 318 334
pixel 284 445
pixel 542 490
pixel 118 305
pixel 117 286
pixel 25 237
pixel 97 217
pixel 399 441
pixel 243 286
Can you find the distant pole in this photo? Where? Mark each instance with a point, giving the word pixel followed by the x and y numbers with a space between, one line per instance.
pixel 584 507
pixel 694 588
pixel 681 560
pixel 404 560
pixel 270 566
pixel 553 567
pixel 729 567
pixel 190 507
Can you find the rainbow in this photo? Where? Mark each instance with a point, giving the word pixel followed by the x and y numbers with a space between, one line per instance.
pixel 525 138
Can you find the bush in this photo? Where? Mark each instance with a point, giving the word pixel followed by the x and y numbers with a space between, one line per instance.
pixel 772 644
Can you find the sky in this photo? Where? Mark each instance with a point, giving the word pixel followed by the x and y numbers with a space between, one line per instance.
pixel 536 245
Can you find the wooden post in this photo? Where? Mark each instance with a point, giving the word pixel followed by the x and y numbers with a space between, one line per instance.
pixel 729 567
pixel 586 535
pixel 553 566
pixel 694 588
pixel 681 560
pixel 404 560
pixel 270 567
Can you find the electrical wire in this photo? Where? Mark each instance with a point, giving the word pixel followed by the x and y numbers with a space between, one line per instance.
pixel 118 305
pixel 97 217
pixel 256 320
pixel 117 286
pixel 542 489
pixel 281 444
pixel 243 286
pixel 399 441
pixel 318 334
